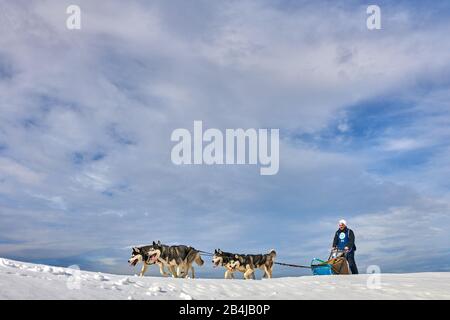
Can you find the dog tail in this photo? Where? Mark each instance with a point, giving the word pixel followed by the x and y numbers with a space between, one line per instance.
pixel 273 253
pixel 199 260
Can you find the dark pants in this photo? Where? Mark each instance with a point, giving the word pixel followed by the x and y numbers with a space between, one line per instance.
pixel 350 256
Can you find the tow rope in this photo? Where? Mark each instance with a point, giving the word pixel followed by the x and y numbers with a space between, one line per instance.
pixel 206 253
pixel 292 265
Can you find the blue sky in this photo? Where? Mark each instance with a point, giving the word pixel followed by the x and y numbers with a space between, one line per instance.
pixel 86 117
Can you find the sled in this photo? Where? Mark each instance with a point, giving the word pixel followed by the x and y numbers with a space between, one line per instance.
pixel 320 268
pixel 336 264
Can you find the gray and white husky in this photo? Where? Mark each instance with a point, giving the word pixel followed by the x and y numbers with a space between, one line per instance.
pixel 141 254
pixel 245 263
pixel 178 259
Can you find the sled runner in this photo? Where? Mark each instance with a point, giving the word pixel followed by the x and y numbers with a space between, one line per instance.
pixel 336 264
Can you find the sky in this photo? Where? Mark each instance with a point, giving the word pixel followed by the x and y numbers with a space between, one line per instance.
pixel 86 118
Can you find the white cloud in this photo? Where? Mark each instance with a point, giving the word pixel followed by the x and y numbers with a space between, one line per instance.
pixel 107 261
pixel 55 201
pixel 404 144
pixel 10 168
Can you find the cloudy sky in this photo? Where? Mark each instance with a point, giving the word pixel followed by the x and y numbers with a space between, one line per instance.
pixel 86 117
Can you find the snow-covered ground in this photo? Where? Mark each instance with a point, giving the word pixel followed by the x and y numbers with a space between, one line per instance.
pixel 20 280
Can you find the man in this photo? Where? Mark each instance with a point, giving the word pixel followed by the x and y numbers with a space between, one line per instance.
pixel 344 240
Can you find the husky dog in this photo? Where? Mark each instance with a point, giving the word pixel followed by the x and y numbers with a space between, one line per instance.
pixel 141 254
pixel 180 257
pixel 250 262
pixel 226 260
pixel 246 264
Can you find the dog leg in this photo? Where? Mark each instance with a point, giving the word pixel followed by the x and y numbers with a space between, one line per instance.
pixel 184 271
pixel 247 274
pixel 264 269
pixel 143 270
pixel 267 272
pixel 189 267
pixel 172 271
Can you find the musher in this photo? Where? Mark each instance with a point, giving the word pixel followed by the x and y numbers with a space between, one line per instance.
pixel 344 240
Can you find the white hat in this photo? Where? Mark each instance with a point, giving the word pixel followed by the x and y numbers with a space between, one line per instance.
pixel 342 221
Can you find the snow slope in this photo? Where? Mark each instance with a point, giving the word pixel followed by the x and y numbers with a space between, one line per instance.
pixel 20 280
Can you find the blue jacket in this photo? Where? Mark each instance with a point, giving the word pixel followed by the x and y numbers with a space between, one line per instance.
pixel 347 239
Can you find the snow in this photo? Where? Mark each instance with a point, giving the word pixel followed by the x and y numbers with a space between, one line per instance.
pixel 19 280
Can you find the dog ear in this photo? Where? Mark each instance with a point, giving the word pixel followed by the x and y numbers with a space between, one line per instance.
pixel 154 243
pixel 136 249
pixel 159 242
pixel 215 250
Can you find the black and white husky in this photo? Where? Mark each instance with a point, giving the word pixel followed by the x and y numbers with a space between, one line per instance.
pixel 141 254
pixel 245 263
pixel 180 258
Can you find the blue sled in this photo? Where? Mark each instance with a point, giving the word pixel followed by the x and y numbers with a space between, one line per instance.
pixel 321 268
